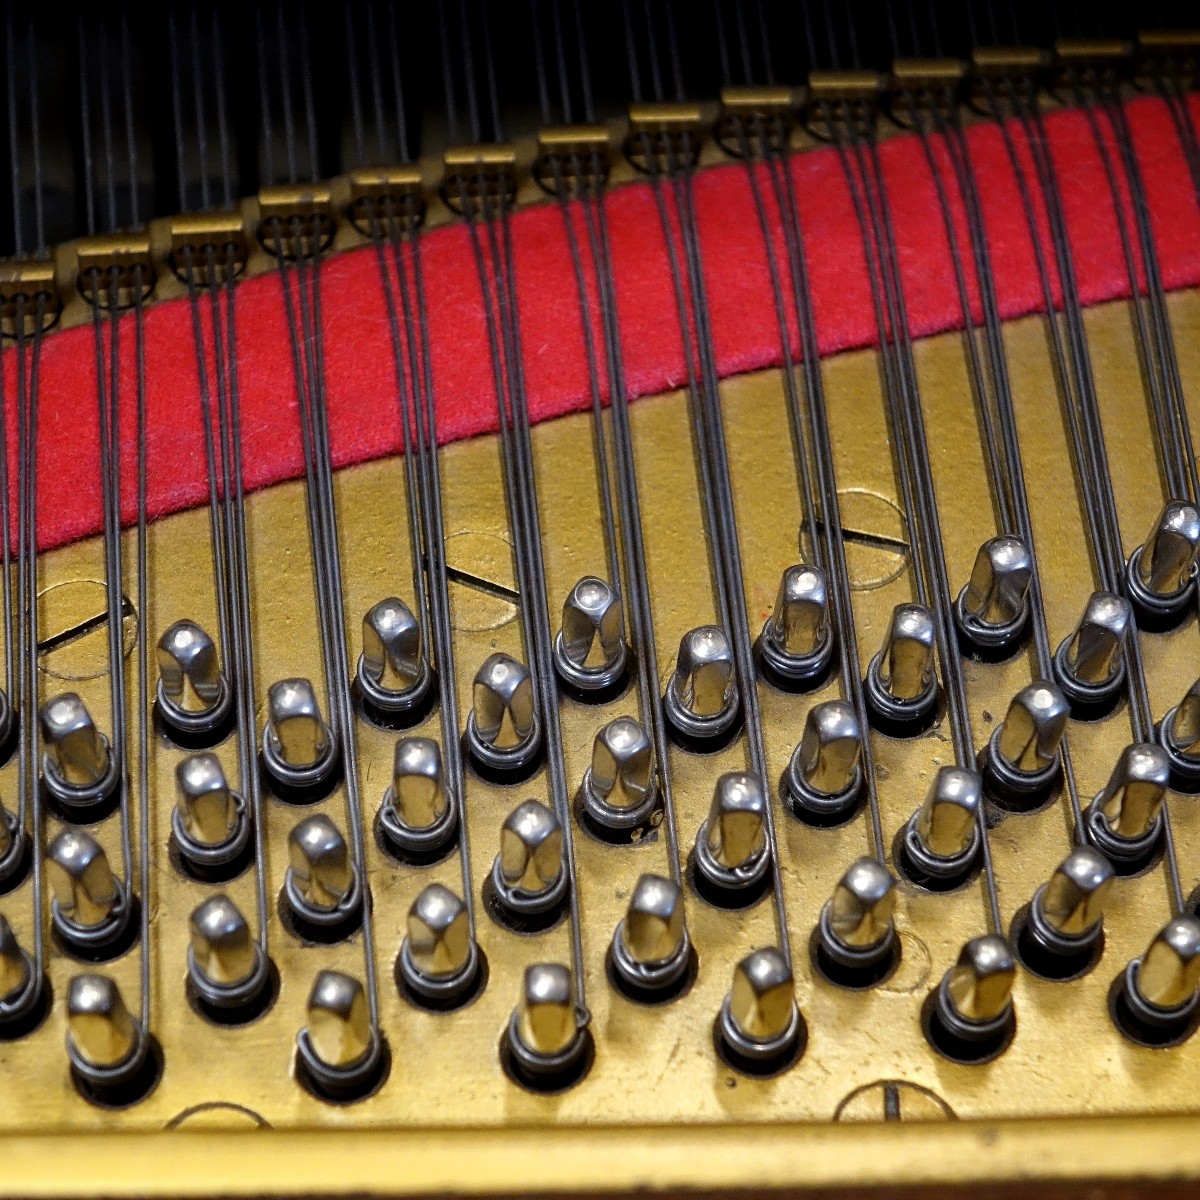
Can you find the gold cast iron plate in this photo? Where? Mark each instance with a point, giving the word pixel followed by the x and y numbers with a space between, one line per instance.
pixel 653 1067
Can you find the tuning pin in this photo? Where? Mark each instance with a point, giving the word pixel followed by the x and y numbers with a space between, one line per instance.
pixel 222 950
pixel 1066 916
pixel 547 1039
pixel 102 1032
pixel 207 808
pixel 527 876
pixel 12 845
pixel 901 684
pixel 439 960
pixel 590 651
pixel 972 1013
pixel 16 972
pixel 992 608
pixel 209 821
pixel 85 889
pixel 547 1024
pixel 1072 902
pixel 227 969
pixel 1090 664
pixel 8 722
pixel 1179 734
pixel 503 732
pixel 759 1025
pixel 393 673
pixel 619 791
pixel 824 776
pixel 1161 989
pixel 417 815
pixel 78 766
pixel 1124 818
pixel 106 1044
pixel 8 827
pixel 90 907
pixel 796 644
pixel 650 947
pixel 1022 760
pixel 298 748
pixel 731 850
pixel 942 838
pixel 322 883
pixel 701 700
pixel 193 699
pixel 1161 571
pixel 339 1050
pixel 339 1020
pixel 856 933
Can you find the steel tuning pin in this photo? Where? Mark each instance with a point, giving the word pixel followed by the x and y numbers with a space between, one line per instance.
pixel 701 701
pixel 340 1055
pixel 439 964
pixel 322 886
pixel 418 815
pixel 546 1044
pixel 8 724
pixel 856 937
pixel 227 971
pixel 1179 734
pixel 590 653
pixel 1159 994
pixel 969 1015
pixel 1090 664
pixel 1125 819
pixel 393 674
pixel 16 968
pixel 89 905
pixel 731 855
pixel 194 700
pixel 992 609
pixel 651 951
pixel 941 841
pixel 22 996
pixel 299 750
pixel 503 731
pixel 619 791
pixel 528 881
pixel 210 822
pixel 901 683
pixel 1161 573
pixel 759 1028
pixel 79 768
pixel 1063 931
pixel 796 642
pixel 112 1063
pixel 823 781
pixel 14 847
pixel 8 836
pixel 1022 759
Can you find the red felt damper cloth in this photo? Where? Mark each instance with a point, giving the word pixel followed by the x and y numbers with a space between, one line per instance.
pixel 359 364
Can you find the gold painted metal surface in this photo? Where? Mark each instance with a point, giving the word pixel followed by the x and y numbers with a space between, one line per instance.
pixel 653 1066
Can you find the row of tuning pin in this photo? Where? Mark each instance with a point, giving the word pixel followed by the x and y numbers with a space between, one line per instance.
pixel 438 961
pixel 758 1025
pixel 1061 929
pixel 968 1016
pixel 940 843
pixel 701 699
pixel 1063 920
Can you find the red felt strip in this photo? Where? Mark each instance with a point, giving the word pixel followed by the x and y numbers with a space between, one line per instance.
pixel 359 366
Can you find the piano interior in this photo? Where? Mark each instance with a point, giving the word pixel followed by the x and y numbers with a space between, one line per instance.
pixel 599 598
